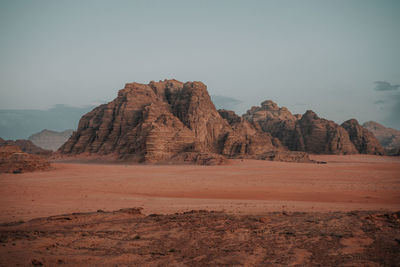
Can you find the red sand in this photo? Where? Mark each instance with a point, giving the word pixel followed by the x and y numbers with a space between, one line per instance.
pixel 356 182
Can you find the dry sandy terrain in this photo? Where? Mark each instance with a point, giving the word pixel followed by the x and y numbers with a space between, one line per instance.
pixel 343 213
pixel 126 238
pixel 346 183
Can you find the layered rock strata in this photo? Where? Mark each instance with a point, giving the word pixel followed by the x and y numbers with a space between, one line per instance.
pixel 364 141
pixel 166 120
pixel 301 133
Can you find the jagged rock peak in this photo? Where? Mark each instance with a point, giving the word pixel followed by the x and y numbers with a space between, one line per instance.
pixel 230 116
pixel 268 110
pixel 310 115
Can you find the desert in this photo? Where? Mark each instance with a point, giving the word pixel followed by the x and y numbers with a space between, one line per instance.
pixel 199 133
pixel 247 212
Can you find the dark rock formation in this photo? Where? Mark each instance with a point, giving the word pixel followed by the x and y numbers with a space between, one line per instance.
pixel 50 140
pixel 26 146
pixel 364 141
pixel 322 136
pixel 166 120
pixel 388 137
pixel 279 122
pixel 301 133
pixel 13 160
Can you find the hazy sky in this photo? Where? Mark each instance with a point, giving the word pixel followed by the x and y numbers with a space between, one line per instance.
pixel 320 55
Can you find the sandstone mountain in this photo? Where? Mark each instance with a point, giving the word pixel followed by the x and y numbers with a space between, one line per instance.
pixel 14 160
pixel 26 146
pixel 311 133
pixel 50 140
pixel 301 133
pixel 279 122
pixel 317 135
pixel 168 120
pixel 388 137
pixel 364 141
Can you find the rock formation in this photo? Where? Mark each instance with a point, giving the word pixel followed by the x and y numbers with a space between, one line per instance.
pixel 279 122
pixel 364 141
pixel 166 120
pixel 301 133
pixel 316 135
pixel 26 146
pixel 388 137
pixel 14 160
pixel 50 140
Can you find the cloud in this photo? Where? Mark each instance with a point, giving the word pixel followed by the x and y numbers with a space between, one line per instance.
pixel 379 102
pixel 385 86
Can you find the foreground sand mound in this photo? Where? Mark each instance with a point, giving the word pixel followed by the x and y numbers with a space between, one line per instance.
pixel 201 238
pixel 13 160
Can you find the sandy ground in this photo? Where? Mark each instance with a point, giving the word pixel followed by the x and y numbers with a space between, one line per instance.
pixel 358 182
pixel 256 213
pixel 201 238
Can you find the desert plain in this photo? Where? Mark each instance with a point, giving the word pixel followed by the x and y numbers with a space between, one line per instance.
pixel 345 183
pixel 244 213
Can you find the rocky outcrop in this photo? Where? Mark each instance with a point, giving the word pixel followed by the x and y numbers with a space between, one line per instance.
pixel 167 121
pixel 316 135
pixel 301 133
pixel 14 160
pixel 388 137
pixel 279 122
pixel 50 140
pixel 26 146
pixel 364 141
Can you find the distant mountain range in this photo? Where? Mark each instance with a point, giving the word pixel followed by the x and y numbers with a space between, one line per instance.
pixel 20 124
pixel 51 140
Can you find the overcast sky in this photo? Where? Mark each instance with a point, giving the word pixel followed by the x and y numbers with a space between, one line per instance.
pixel 330 56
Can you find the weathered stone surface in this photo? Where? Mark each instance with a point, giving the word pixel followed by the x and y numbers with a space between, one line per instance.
pixel 167 121
pixel 26 146
pixel 364 141
pixel 14 160
pixel 50 140
pixel 246 140
pixel 388 137
pixel 279 122
pixel 321 136
pixel 301 133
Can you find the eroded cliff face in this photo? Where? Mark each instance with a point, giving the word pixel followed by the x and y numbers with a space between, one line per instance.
pixel 166 120
pixel 364 141
pixel 321 136
pixel 310 133
pixel 279 122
